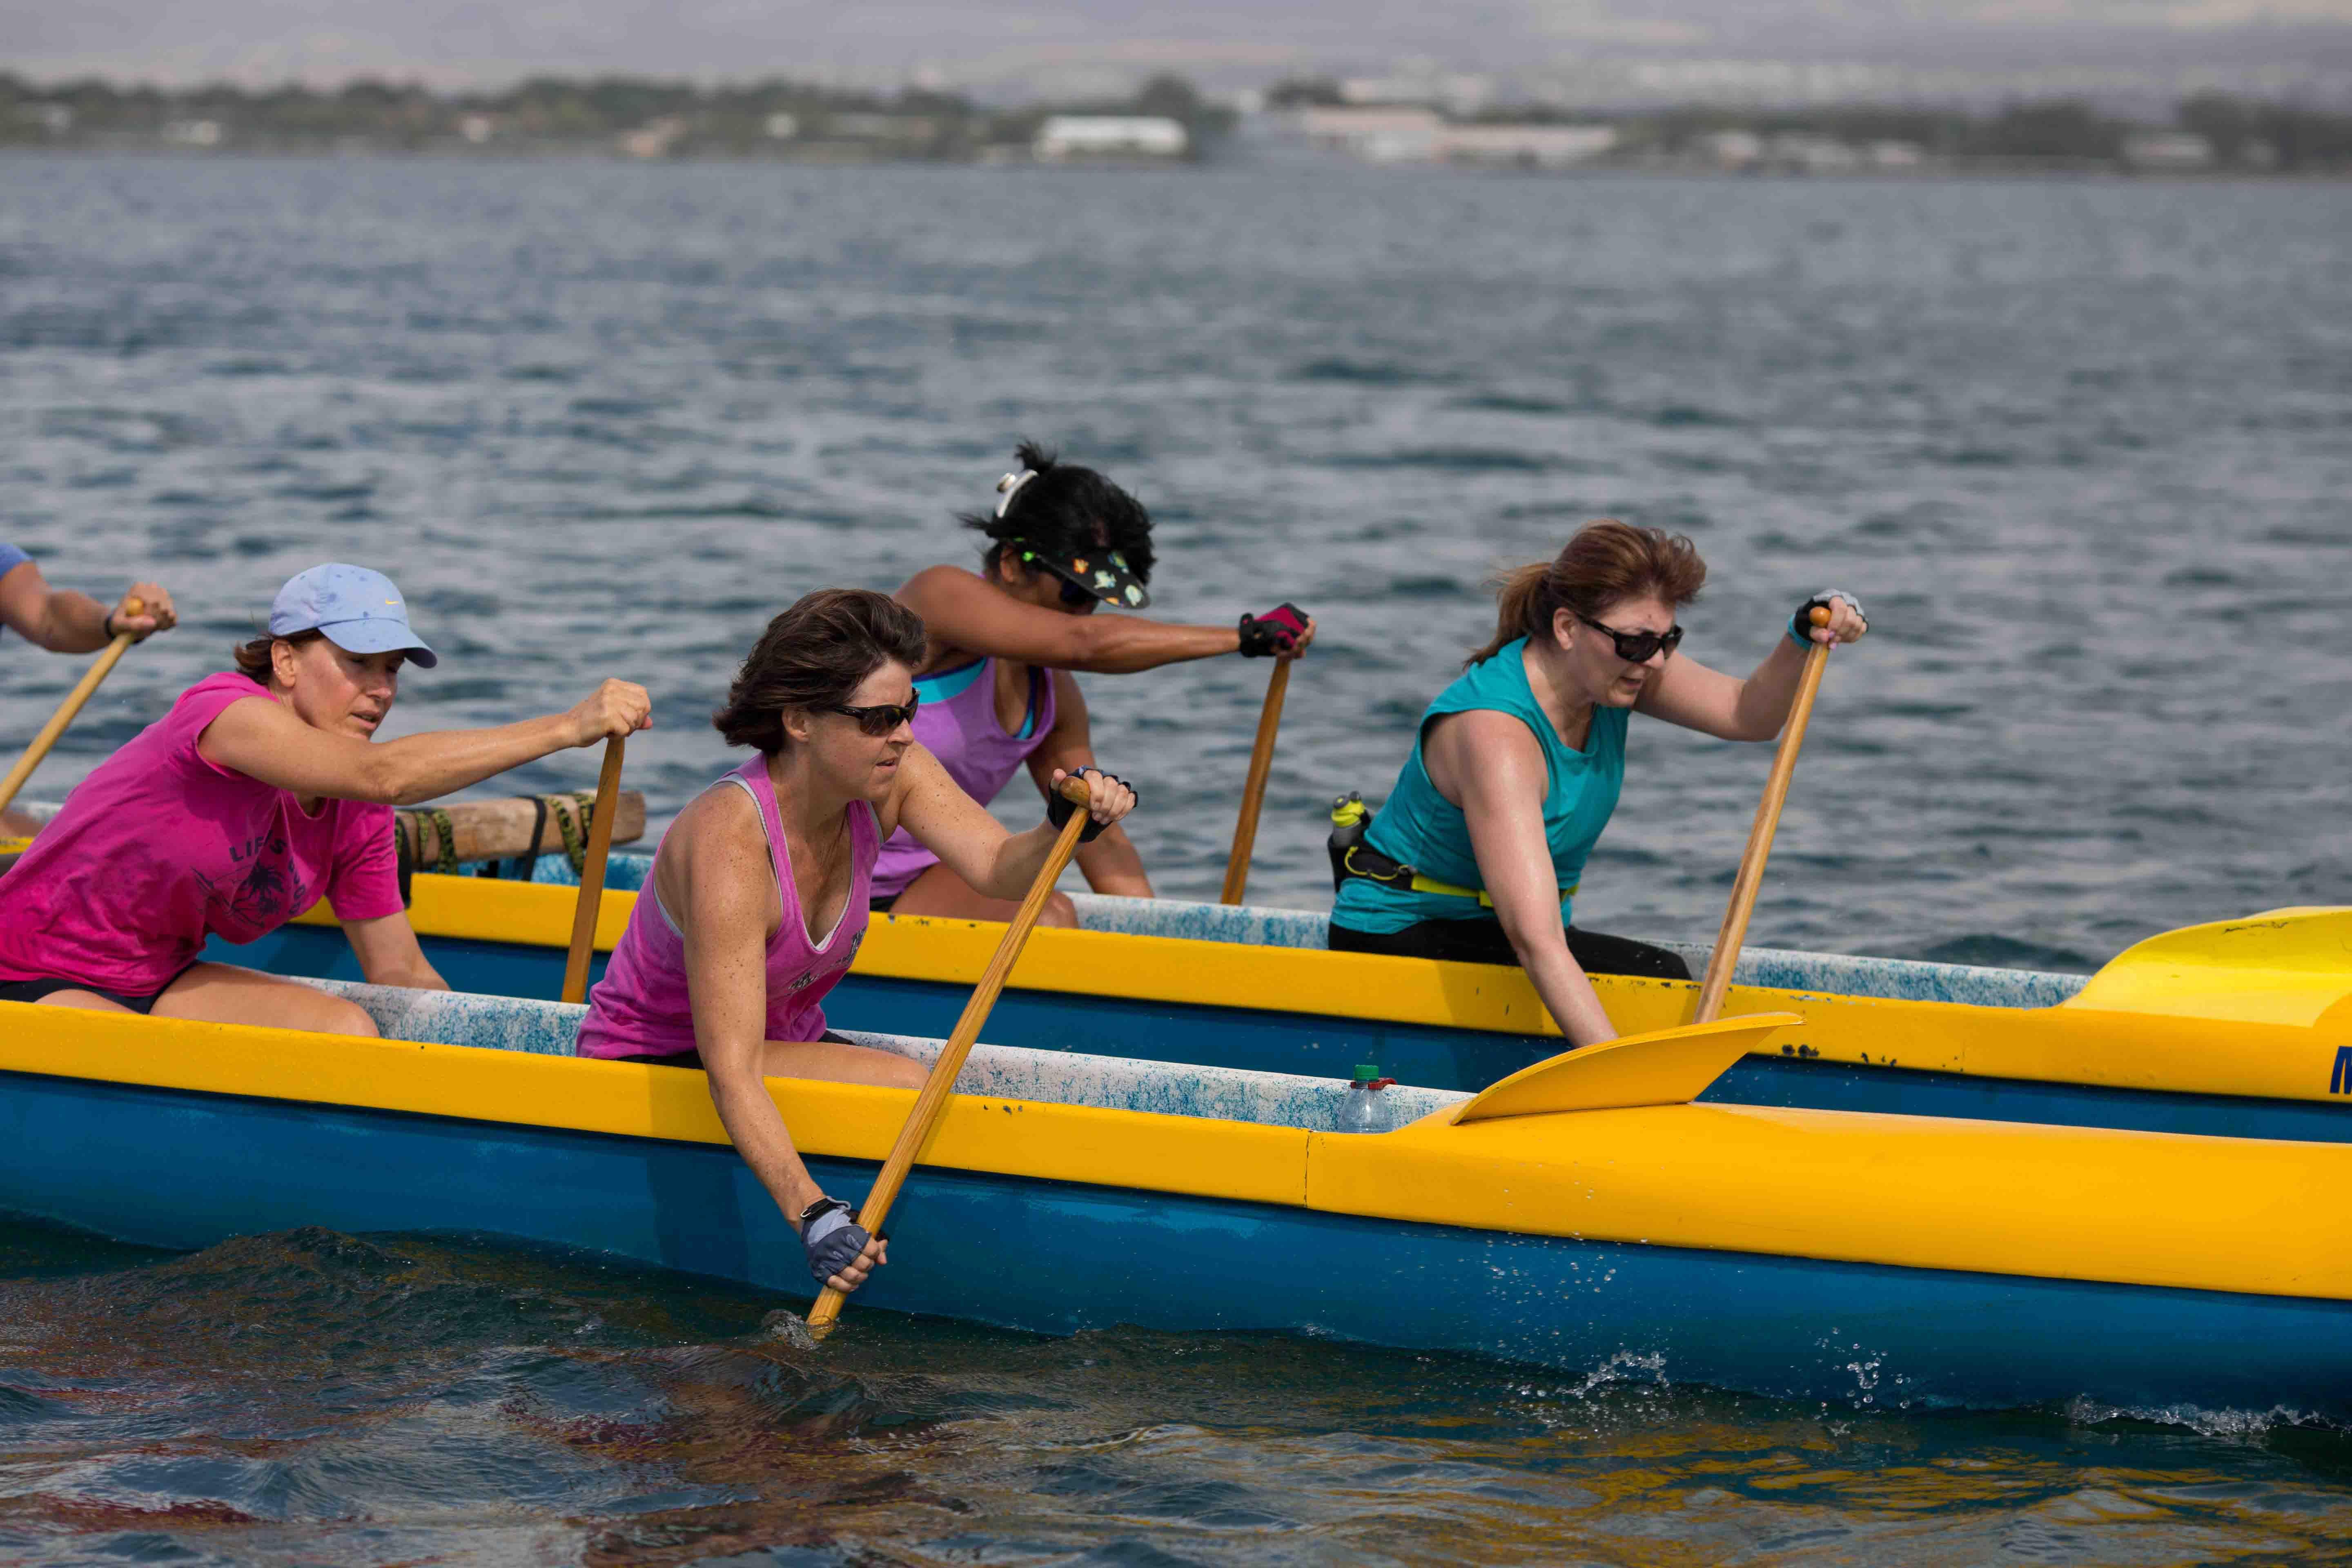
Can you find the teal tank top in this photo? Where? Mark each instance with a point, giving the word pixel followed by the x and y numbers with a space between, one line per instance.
pixel 1421 828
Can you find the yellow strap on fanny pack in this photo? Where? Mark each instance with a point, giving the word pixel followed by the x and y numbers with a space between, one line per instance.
pixel 1421 884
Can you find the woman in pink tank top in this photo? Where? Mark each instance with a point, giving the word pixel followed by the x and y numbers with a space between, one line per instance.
pixel 997 685
pixel 758 897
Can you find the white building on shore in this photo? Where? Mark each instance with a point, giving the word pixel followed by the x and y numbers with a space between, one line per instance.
pixel 1063 137
pixel 1526 146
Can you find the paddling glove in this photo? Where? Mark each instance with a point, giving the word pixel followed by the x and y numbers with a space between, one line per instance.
pixel 1057 810
pixel 831 1238
pixel 1276 631
pixel 1801 624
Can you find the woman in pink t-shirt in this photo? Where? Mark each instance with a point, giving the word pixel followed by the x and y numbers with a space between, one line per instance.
pixel 260 792
pixel 758 897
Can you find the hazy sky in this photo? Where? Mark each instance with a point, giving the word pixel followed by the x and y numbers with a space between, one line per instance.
pixel 977 42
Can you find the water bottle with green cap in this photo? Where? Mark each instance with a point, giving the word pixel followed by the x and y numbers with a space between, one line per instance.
pixel 1365 1107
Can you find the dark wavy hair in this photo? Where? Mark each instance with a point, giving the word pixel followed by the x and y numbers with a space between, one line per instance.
pixel 1067 511
pixel 813 657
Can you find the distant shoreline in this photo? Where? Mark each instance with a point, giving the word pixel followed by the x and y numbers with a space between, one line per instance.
pixel 1957 171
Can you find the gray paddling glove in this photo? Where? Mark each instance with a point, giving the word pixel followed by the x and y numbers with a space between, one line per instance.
pixel 1801 624
pixel 1057 810
pixel 832 1238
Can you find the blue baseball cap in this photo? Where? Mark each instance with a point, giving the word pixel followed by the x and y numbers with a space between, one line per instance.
pixel 360 611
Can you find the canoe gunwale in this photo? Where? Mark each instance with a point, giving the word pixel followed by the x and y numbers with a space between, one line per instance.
pixel 2060 1044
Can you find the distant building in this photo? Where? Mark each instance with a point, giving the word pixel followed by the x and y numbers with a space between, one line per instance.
pixel 2169 149
pixel 1461 93
pixel 653 137
pixel 1807 154
pixel 477 128
pixel 783 127
pixel 901 128
pixel 1732 149
pixel 1539 146
pixel 1391 135
pixel 1066 136
pixel 1896 154
pixel 193 132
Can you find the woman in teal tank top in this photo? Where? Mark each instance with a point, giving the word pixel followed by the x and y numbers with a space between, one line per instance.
pixel 1478 853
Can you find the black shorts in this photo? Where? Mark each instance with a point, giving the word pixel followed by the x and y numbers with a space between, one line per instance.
pixel 694 1058
pixel 35 990
pixel 1483 942
pixel 880 903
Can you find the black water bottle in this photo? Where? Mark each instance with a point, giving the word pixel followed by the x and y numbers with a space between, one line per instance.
pixel 1350 817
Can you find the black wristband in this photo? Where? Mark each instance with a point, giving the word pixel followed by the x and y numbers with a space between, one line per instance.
pixel 820 1206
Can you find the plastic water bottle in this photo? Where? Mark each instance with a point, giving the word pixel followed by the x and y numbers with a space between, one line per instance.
pixel 1350 817
pixel 1365 1108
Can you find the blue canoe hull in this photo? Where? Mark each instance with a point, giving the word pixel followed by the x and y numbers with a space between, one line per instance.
pixel 177 1169
pixel 1434 1057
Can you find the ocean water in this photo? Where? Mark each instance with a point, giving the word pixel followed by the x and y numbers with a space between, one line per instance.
pixel 2083 447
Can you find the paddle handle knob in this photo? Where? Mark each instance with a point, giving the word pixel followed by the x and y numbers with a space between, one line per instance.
pixel 1075 790
pixel 1821 615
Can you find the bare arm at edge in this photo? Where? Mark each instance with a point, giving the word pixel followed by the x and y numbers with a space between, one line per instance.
pixel 60 619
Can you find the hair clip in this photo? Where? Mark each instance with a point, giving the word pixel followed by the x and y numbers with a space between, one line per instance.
pixel 1009 486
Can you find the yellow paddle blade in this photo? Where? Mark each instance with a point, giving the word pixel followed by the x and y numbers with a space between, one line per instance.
pixel 1667 1067
pixel 2282 966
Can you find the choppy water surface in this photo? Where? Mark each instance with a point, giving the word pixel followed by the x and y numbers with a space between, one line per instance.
pixel 2083 447
pixel 310 1397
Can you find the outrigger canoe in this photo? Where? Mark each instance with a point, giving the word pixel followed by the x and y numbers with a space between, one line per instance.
pixel 1860 1258
pixel 2235 1029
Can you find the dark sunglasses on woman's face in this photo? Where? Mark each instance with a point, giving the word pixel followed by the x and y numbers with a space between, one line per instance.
pixel 1635 647
pixel 882 717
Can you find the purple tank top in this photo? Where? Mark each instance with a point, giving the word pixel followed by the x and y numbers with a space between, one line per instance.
pixel 964 734
pixel 640 1007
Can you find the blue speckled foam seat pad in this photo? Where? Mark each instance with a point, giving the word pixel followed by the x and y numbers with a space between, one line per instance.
pixel 1061 1078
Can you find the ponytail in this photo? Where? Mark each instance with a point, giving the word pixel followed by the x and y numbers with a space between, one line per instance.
pixel 1607 561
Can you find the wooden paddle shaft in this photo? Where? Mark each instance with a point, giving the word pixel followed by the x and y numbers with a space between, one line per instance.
pixel 592 875
pixel 1269 720
pixel 1717 983
pixel 931 1104
pixel 67 710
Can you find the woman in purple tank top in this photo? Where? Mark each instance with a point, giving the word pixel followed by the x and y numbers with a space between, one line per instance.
pixel 758 897
pixel 997 687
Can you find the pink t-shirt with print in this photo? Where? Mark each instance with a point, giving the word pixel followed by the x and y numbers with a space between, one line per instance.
pixel 159 849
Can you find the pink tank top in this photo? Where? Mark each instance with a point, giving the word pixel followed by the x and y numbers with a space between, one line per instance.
pixel 640 1007
pixel 957 723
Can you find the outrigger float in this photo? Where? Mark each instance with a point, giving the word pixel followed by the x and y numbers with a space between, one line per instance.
pixel 2239 1028
pixel 1801 1253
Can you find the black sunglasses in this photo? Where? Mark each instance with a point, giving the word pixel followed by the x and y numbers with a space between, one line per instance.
pixel 882 717
pixel 1635 647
